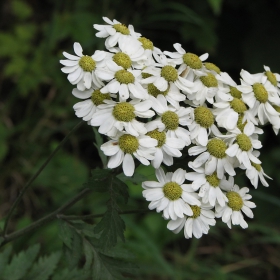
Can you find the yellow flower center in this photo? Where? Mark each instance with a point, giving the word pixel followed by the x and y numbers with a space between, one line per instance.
pixel 238 105
pixel 146 43
pixel 196 211
pixel 87 63
pixel 124 112
pixel 244 142
pixel 172 191
pixel 170 119
pixel 154 91
pixel 212 66
pixel 258 167
pixel 271 77
pixel 203 116
pixel 217 148
pixel 241 125
pixel 192 60
pixel 122 60
pixel 159 136
pixel 235 92
pixel 235 201
pixel 169 73
pixel 145 75
pixel 260 92
pixel 213 179
pixel 209 80
pixel 97 97
pixel 119 27
pixel 124 77
pixel 128 143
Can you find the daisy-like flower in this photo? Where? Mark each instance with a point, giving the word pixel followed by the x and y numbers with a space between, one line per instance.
pixel 166 74
pixel 86 109
pixel 114 32
pixel 237 202
pixel 167 148
pixel 123 147
pixel 170 195
pixel 122 81
pixel 259 97
pixel 118 116
pixel 202 125
pixel 241 145
pixel 208 185
pixel 269 77
pixel 81 68
pixel 214 156
pixel 188 61
pixel 195 225
pixel 170 119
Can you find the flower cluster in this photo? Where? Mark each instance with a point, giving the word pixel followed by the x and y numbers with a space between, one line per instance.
pixel 151 104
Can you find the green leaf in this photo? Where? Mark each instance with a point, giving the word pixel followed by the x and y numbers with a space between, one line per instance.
pixel 99 142
pixel 120 189
pixel 216 6
pixel 44 267
pixel 100 180
pixel 20 263
pixel 67 274
pixel 111 227
pixel 4 258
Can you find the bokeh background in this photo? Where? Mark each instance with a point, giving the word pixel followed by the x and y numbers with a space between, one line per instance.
pixel 36 113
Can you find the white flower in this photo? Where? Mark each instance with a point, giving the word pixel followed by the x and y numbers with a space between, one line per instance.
pixel 195 225
pixel 167 148
pixel 259 97
pixel 214 157
pixel 189 61
pixel 166 74
pixel 169 120
pixel 241 145
pixel 81 68
pixel 123 146
pixel 237 201
pixel 118 116
pixel 170 195
pixel 122 81
pixel 114 32
pixel 269 77
pixel 208 185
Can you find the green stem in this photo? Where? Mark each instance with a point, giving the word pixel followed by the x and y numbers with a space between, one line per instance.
pixel 45 219
pixel 15 204
pixel 92 216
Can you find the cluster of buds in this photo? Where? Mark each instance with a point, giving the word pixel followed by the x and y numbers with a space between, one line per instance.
pixel 151 104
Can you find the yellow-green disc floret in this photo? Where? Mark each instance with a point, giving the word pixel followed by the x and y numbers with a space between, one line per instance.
pixel 258 167
pixel 212 66
pixel 203 116
pixel 241 125
pixel 124 112
pixel 159 136
pixel 238 105
pixel 87 63
pixel 271 77
pixel 146 43
pixel 244 142
pixel 124 77
pixel 145 75
pixel 169 73
pixel 196 211
pixel 235 201
pixel 119 27
pixel 235 92
pixel 97 97
pixel 128 143
pixel 217 148
pixel 170 119
pixel 277 108
pixel 192 60
pixel 154 91
pixel 172 191
pixel 209 80
pixel 213 179
pixel 122 60
pixel 260 92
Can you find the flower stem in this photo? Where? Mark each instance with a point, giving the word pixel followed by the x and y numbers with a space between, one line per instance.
pixel 22 192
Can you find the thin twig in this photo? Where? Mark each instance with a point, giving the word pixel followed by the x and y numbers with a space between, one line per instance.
pixel 22 192
pixel 45 219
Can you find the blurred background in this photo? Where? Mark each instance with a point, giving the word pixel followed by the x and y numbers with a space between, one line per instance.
pixel 36 113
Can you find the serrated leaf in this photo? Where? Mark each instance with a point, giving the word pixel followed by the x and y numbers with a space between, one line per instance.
pixel 121 189
pixel 20 263
pixel 44 267
pixel 73 274
pixel 100 180
pixel 4 258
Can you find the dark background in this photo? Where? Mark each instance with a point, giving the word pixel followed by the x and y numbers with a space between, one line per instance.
pixel 36 113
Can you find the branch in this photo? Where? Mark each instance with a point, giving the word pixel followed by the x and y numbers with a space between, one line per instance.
pixel 45 219
pixel 22 192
